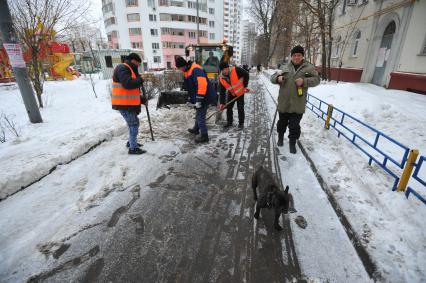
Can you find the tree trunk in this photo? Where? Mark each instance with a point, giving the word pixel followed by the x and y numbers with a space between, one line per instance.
pixel 330 41
pixel 36 78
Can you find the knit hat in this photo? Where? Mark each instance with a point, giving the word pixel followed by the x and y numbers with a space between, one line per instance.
pixel 223 65
pixel 134 56
pixel 298 49
pixel 180 62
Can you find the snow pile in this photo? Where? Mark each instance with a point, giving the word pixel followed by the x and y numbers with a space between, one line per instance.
pixel 391 227
pixel 74 121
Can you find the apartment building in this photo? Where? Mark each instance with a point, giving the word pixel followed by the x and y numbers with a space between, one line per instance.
pixel 382 42
pixel 161 28
pixel 248 41
pixel 232 17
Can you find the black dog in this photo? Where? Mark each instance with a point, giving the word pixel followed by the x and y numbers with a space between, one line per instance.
pixel 270 195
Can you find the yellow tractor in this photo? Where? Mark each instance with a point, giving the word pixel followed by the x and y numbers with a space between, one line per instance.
pixel 209 55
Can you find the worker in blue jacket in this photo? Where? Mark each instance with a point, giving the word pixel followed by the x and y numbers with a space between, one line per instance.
pixel 201 93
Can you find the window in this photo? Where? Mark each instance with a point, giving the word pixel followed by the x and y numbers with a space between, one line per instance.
pixel 135 31
pixel 343 7
pixel 152 18
pixel 154 32
pixel 108 61
pixel 352 2
pixel 423 51
pixel 157 59
pixel 178 18
pixel 192 34
pixel 131 3
pixel 212 36
pixel 176 3
pixel 110 21
pixel 135 17
pixel 337 43
pixel 151 3
pixel 211 11
pixel 356 43
pixel 108 8
pixel 137 45
pixel 155 45
pixel 362 2
pixel 211 24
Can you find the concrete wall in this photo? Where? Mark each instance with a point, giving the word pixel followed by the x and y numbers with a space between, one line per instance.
pixel 410 60
pixel 409 36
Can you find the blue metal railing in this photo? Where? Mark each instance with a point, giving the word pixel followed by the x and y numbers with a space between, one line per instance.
pixel 370 146
pixel 341 122
pixel 419 179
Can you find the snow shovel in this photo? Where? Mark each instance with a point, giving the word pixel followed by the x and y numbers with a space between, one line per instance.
pixel 226 105
pixel 147 112
pixel 168 98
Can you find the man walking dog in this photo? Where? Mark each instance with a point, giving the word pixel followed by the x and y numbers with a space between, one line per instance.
pixel 294 79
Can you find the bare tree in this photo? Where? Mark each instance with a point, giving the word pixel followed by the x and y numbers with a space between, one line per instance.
pixel 34 22
pixel 324 10
pixel 306 31
pixel 264 13
pixel 7 123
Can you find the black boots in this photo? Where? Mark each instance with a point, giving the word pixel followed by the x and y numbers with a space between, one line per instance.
pixel 202 138
pixel 136 151
pixel 193 131
pixel 292 146
pixel 280 139
pixel 227 125
pixel 128 144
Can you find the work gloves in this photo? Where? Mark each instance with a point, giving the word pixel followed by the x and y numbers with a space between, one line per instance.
pixel 198 105
pixel 221 107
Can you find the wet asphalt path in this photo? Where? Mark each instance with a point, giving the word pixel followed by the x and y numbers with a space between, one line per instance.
pixel 194 222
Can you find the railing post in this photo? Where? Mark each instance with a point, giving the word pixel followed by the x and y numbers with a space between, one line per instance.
pixel 329 113
pixel 408 169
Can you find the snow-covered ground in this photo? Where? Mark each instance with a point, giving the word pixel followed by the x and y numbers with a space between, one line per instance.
pixel 391 227
pixel 74 121
pixel 79 198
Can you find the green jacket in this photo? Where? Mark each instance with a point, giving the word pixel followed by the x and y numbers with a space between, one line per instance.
pixel 288 99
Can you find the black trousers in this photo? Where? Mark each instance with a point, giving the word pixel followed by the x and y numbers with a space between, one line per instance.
pixel 240 106
pixel 292 121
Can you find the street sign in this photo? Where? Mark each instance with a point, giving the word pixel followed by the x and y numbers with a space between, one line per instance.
pixel 15 55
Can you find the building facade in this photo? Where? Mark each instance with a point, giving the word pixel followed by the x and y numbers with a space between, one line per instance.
pixel 161 28
pixel 232 17
pixel 381 42
pixel 248 42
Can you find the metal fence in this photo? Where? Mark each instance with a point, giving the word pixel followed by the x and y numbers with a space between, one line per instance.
pixel 417 176
pixel 385 151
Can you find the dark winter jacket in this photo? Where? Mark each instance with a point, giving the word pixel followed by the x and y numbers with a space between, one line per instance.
pixel 241 73
pixel 194 83
pixel 123 75
pixel 288 99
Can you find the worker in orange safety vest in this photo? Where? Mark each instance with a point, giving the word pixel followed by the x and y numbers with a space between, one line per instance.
pixel 126 97
pixel 233 81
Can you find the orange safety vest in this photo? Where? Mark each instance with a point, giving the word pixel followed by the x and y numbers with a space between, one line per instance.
pixel 236 88
pixel 125 97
